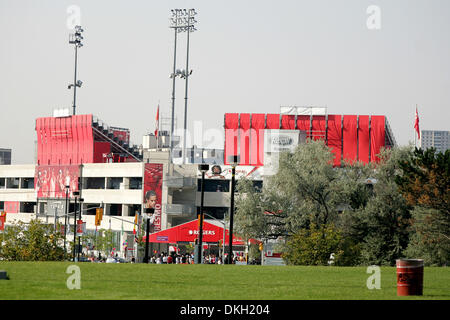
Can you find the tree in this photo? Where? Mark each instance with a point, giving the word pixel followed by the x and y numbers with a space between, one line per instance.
pixel 424 182
pixel 35 241
pixel 381 225
pixel 428 237
pixel 303 191
pixel 425 179
pixel 314 246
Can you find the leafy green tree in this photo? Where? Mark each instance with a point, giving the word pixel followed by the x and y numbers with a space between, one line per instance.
pixel 381 225
pixel 428 237
pixel 312 246
pixel 303 191
pixel 35 241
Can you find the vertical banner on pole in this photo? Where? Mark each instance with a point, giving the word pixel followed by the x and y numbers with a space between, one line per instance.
pixel 153 191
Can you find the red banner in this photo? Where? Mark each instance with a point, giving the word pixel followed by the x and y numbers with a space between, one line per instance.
pixel 50 181
pixel 81 226
pixel 2 222
pixel 153 192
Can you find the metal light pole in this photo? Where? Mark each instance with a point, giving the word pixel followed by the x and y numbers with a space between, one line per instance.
pixel 65 220
pixel 75 39
pixel 199 258
pixel 191 14
pixel 75 225
pixel 182 20
pixel 174 21
pixel 79 237
pixel 234 160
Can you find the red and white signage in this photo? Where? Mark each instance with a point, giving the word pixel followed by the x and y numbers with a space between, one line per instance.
pixel 81 228
pixel 188 232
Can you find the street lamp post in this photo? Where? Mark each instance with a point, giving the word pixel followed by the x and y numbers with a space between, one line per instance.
pixel 65 220
pixel 234 160
pixel 203 168
pixel 75 39
pixel 79 237
pixel 76 194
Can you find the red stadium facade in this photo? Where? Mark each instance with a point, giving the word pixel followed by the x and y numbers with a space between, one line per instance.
pixel 79 139
pixel 350 137
pixel 65 143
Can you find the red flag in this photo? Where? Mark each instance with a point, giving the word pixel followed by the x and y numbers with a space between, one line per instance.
pixel 157 122
pixel 416 124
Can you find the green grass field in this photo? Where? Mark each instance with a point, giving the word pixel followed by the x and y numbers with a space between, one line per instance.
pixel 47 280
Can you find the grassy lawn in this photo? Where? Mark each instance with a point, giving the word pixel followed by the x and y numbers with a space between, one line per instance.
pixel 47 280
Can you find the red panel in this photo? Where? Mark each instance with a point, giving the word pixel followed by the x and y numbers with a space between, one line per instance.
pixel 101 148
pixel 65 140
pixel 11 206
pixel 303 124
pixel 363 138
pixel 257 139
pixel 231 135
pixel 76 141
pixel 335 137
pixel 273 121
pixel 288 122
pixel 54 150
pixel 377 137
pixel 58 141
pixel 318 127
pixel 38 140
pixel 82 143
pixel 244 133
pixel 350 138
pixel 70 143
pixel 47 143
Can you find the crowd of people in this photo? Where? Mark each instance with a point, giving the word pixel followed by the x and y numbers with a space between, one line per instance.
pixel 177 258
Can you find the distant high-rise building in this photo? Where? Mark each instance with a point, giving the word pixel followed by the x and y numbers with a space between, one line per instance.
pixel 5 156
pixel 440 140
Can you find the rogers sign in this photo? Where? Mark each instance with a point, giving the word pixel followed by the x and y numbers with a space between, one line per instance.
pixel 205 232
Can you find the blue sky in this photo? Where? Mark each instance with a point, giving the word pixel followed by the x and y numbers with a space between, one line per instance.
pixel 247 56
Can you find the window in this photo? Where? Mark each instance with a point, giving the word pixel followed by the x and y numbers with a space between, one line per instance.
pixel 95 183
pixel 114 183
pixel 216 212
pixel 27 183
pixel 115 210
pixel 136 183
pixel 12 183
pixel 214 185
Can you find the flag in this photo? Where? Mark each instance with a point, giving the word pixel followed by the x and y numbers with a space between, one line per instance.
pixel 416 124
pixel 157 122
pixel 135 223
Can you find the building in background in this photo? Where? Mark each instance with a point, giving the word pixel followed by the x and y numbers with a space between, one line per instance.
pixel 253 136
pixel 97 160
pixel 5 156
pixel 440 140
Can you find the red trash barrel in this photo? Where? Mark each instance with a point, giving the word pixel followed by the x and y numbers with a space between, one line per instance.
pixel 409 277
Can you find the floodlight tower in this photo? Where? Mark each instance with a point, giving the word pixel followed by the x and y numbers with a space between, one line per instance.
pixel 75 39
pixel 182 20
